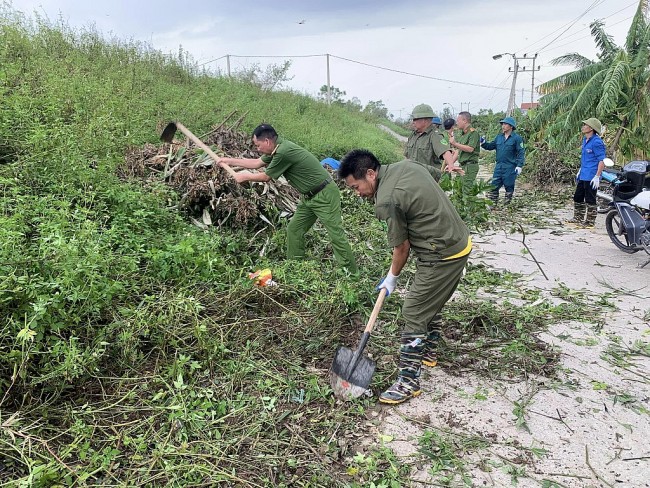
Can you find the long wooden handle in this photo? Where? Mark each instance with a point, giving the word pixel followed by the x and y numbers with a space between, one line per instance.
pixel 375 311
pixel 199 143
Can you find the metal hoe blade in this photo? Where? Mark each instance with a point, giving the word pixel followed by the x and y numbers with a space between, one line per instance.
pixel 168 133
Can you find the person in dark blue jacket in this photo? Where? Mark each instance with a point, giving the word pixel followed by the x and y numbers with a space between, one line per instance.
pixel 510 159
pixel 592 163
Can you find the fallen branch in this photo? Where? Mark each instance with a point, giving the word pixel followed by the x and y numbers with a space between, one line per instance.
pixel 523 241
pixel 598 477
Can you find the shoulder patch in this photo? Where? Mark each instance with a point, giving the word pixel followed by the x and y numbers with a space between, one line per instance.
pixel 444 142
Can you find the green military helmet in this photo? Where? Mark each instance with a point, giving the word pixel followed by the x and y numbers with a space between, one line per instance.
pixel 595 124
pixel 422 111
pixel 510 121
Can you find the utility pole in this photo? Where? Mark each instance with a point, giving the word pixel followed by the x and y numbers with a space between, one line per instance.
pixel 329 88
pixel 532 83
pixel 514 70
pixel 511 99
pixel 228 64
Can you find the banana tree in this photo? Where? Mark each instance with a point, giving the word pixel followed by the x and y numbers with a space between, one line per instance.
pixel 615 88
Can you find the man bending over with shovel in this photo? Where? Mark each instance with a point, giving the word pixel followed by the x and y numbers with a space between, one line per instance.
pixel 321 198
pixel 421 218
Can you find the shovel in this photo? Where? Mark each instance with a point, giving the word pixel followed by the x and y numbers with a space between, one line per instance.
pixel 351 372
pixel 168 135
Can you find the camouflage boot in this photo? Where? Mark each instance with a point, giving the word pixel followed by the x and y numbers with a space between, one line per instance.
pixel 590 217
pixel 410 362
pixel 578 213
pixel 494 196
pixel 429 357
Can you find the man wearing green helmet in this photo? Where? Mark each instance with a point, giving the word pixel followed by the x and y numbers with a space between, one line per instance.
pixel 592 163
pixel 427 144
pixel 510 159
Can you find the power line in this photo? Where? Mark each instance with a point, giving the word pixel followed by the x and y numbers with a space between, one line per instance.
pixel 360 63
pixel 585 37
pixel 415 74
pixel 527 48
pixel 571 25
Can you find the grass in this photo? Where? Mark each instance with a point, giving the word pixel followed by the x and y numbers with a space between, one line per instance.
pixel 134 350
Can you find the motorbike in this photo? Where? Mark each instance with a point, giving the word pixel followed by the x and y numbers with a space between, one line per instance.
pixel 605 194
pixel 628 220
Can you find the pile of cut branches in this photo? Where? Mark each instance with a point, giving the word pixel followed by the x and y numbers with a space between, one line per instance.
pixel 207 193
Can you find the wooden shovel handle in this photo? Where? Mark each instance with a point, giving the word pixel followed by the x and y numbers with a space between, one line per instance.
pixel 375 311
pixel 203 146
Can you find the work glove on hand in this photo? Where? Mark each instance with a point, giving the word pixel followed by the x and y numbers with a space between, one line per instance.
pixel 578 176
pixel 595 182
pixel 388 282
pixel 482 140
pixel 518 170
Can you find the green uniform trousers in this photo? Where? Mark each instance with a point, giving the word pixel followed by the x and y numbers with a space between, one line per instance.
pixel 433 285
pixel 471 172
pixel 326 207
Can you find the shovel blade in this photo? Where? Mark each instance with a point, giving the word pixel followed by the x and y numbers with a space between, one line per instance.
pixel 168 133
pixel 350 381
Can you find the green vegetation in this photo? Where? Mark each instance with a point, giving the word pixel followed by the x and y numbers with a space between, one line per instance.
pixel 134 349
pixel 613 88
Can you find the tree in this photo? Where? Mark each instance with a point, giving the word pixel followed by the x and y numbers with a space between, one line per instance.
pixel 354 104
pixel 336 94
pixel 376 109
pixel 615 88
pixel 272 77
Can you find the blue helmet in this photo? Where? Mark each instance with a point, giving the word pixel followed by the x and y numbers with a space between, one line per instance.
pixel 436 120
pixel 509 121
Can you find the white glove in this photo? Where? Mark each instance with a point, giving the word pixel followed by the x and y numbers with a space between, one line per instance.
pixel 518 170
pixel 389 282
pixel 595 182
pixel 577 176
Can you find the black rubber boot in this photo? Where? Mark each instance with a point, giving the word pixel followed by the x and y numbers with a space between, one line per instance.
pixel 509 197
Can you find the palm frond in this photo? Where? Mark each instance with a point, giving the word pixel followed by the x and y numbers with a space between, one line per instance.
pixel 638 28
pixel 641 50
pixel 603 40
pixel 586 102
pixel 615 85
pixel 570 80
pixel 572 59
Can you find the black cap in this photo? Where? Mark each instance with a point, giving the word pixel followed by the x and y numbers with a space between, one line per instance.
pixel 449 123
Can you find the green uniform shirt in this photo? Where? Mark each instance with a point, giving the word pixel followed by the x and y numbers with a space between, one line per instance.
pixel 417 209
pixel 427 147
pixel 469 138
pixel 299 166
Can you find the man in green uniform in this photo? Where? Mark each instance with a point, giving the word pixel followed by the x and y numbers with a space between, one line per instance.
pixel 421 218
pixel 467 143
pixel 427 144
pixel 321 198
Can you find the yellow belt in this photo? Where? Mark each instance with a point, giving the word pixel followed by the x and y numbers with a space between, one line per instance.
pixel 462 253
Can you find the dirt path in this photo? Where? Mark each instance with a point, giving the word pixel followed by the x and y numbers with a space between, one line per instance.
pixel 594 423
pixel 393 133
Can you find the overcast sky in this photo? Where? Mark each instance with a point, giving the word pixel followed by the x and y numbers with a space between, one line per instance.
pixel 452 40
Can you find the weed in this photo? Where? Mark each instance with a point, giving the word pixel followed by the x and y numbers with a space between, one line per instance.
pixel 445 455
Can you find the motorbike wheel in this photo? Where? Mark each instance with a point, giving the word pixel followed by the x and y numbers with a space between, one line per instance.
pixel 617 232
